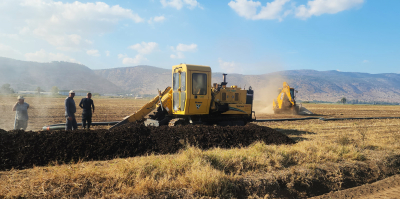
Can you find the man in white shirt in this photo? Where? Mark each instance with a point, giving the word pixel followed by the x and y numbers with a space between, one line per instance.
pixel 21 115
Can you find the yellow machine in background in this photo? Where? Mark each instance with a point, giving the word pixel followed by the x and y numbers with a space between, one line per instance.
pixel 285 102
pixel 193 99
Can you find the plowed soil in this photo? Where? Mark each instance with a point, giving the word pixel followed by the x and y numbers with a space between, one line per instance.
pixel 20 149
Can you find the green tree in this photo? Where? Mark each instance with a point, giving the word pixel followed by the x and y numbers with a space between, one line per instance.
pixel 54 90
pixel 38 89
pixel 343 100
pixel 6 89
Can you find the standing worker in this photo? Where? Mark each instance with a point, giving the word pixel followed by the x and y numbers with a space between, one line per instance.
pixel 70 110
pixel 86 104
pixel 21 115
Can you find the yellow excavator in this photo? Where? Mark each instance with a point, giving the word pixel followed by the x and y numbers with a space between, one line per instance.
pixel 285 102
pixel 194 100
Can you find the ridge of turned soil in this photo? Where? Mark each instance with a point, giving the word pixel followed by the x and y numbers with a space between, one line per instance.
pixel 20 149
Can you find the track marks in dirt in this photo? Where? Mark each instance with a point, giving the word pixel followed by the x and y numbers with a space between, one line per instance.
pixel 384 189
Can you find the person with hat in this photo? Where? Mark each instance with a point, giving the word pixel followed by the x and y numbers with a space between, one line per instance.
pixel 70 110
pixel 21 115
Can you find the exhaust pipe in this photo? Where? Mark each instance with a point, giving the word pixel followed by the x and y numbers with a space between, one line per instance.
pixel 224 78
pixel 224 83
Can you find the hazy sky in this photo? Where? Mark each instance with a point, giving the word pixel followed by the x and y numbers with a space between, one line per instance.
pixel 234 36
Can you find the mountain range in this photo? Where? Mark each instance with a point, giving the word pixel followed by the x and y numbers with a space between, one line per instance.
pixel 27 76
pixel 145 80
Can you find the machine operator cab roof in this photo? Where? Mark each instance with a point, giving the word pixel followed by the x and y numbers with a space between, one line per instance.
pixel 186 67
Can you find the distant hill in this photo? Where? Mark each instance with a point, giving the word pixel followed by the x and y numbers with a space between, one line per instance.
pixel 332 85
pixel 23 75
pixel 138 79
pixel 311 84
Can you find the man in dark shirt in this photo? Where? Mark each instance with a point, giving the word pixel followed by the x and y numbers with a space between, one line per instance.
pixel 70 110
pixel 86 104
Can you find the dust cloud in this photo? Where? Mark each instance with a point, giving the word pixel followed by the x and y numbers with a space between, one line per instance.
pixel 266 93
pixel 42 110
pixel 7 116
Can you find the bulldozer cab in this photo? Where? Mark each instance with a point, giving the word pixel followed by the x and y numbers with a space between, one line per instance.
pixel 292 93
pixel 191 89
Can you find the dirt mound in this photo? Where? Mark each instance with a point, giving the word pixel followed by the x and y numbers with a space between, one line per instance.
pixel 20 149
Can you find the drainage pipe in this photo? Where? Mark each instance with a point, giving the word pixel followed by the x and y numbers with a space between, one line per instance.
pixel 324 119
pixel 61 126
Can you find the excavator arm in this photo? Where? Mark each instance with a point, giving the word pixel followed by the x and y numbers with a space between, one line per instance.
pixel 162 99
pixel 286 90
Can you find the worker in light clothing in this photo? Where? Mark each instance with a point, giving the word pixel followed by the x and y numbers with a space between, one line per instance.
pixel 86 104
pixel 70 110
pixel 21 115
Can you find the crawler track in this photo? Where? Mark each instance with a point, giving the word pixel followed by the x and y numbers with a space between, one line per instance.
pixel 20 149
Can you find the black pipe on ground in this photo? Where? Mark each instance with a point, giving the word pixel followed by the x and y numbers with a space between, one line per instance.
pixel 287 119
pixel 61 126
pixel 358 118
pixel 324 119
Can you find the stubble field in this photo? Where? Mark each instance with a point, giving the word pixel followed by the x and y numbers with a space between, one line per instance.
pixel 328 156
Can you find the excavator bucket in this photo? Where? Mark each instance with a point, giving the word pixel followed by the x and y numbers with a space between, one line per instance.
pixel 163 99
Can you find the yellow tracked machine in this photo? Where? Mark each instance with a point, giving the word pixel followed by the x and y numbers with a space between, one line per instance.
pixel 194 100
pixel 285 102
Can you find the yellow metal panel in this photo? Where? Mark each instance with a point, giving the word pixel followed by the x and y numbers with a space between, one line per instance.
pixel 230 96
pixel 198 104
pixel 241 109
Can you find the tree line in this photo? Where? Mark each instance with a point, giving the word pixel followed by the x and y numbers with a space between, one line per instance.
pixel 356 101
pixel 343 100
pixel 6 89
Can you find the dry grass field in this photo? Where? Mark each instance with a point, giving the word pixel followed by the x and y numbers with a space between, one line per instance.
pixel 328 156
